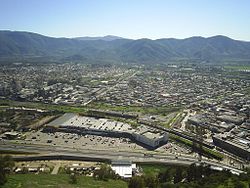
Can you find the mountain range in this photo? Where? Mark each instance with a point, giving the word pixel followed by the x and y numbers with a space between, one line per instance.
pixel 106 38
pixel 22 45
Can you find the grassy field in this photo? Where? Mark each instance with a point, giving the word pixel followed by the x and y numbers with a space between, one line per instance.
pixel 82 109
pixel 58 181
pixel 153 169
pixel 143 110
pixel 176 118
pixel 61 108
pixel 238 67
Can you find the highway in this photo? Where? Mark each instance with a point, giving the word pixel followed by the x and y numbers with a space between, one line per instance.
pixel 55 152
pixel 110 88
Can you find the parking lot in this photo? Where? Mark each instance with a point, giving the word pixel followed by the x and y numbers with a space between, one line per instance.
pixel 76 141
pixel 79 141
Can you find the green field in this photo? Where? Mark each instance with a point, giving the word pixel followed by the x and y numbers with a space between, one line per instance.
pixel 82 109
pixel 95 105
pixel 143 110
pixel 153 169
pixel 61 108
pixel 58 181
pixel 237 67
pixel 176 118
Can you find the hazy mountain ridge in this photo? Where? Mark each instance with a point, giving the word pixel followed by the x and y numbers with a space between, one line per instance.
pixel 116 49
pixel 105 38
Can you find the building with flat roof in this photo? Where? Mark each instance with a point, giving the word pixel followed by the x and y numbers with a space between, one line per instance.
pixel 237 146
pixel 123 168
pixel 11 135
pixel 231 119
pixel 144 135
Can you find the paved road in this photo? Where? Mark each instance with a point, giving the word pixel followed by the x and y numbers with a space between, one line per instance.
pixel 112 155
pixel 183 122
pixel 112 87
pixel 56 169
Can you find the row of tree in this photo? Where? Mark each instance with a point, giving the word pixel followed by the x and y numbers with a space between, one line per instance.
pixel 105 173
pixel 194 176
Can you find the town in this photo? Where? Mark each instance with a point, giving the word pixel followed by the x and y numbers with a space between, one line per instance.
pixel 176 113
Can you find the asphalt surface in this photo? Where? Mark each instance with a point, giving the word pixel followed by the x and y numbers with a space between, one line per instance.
pixel 111 155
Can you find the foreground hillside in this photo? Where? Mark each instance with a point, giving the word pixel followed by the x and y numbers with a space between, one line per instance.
pixel 58 181
pixel 166 180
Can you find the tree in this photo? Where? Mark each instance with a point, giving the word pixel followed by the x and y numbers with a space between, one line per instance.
pixel 105 173
pixel 239 184
pixel 194 172
pixel 207 171
pixel 178 175
pixel 229 183
pixel 73 178
pixel 168 185
pixel 136 182
pixel 151 181
pixel 165 176
pixel 6 163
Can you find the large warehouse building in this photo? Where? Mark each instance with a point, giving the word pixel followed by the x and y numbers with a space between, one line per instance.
pixel 238 146
pixel 144 135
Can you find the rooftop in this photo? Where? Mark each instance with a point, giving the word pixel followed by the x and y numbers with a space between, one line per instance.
pixel 85 122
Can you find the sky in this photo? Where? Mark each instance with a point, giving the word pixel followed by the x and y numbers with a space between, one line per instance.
pixel 128 18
